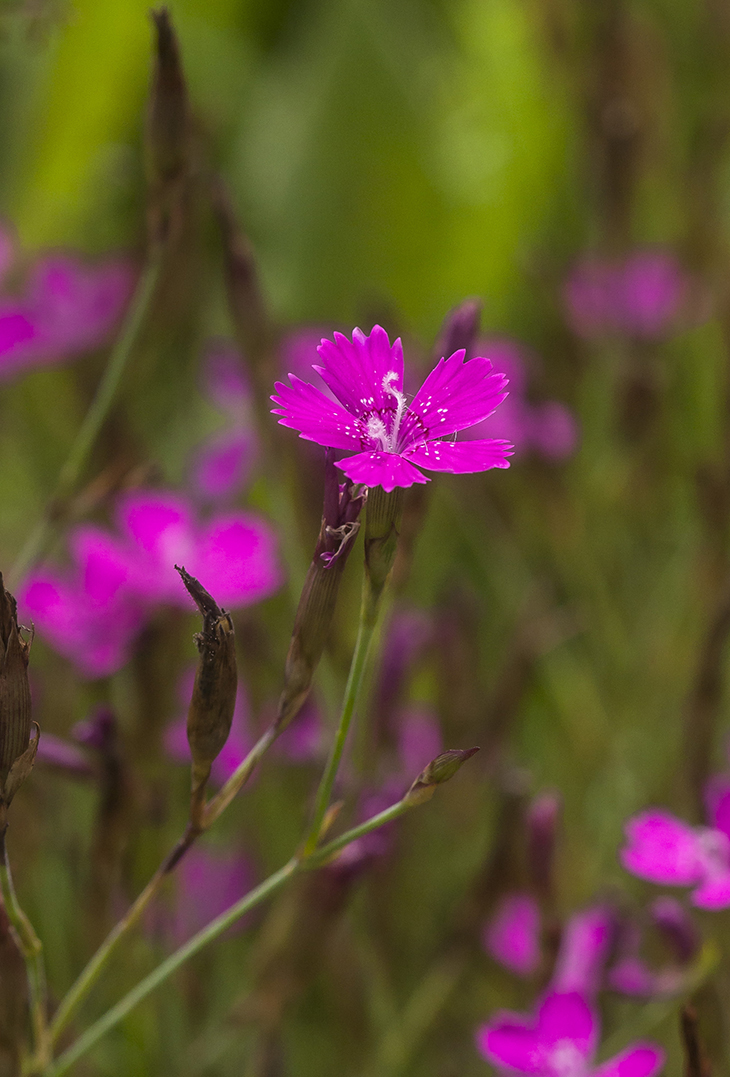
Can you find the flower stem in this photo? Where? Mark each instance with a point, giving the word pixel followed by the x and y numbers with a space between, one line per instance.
pixel 90 974
pixel 72 469
pixel 213 930
pixel 368 623
pixel 32 951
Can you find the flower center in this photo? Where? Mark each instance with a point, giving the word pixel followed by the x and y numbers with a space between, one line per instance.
pixel 564 1059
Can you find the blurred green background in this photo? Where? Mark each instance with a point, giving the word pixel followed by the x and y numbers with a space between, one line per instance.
pixel 388 160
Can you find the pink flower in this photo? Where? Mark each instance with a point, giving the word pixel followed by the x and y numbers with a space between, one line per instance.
pixel 560 1042
pixel 548 429
pixel 68 308
pixel 512 937
pixel 663 849
pixel 222 465
pixel 209 881
pixel 391 438
pixel 93 612
pixel 640 296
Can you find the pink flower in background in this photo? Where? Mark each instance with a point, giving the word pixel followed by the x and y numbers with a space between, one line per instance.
pixel 233 752
pixel 419 738
pixel 631 974
pixel 512 936
pixel 68 307
pixel 548 429
pixel 210 880
pixel 663 849
pixel 560 1041
pixel 222 464
pixel 93 612
pixel 234 555
pixel 584 947
pixel 370 416
pixel 641 296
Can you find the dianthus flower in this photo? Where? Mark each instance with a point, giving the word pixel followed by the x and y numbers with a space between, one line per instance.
pixel 640 296
pixel 664 849
pixel 560 1042
pixel 392 439
pixel 67 308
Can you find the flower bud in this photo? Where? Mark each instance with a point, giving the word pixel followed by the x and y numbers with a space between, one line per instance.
pixel 16 751
pixel 459 328
pixel 167 141
pixel 216 679
pixel 319 595
pixel 439 770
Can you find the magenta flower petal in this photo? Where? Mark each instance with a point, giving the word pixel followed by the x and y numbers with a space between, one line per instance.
pixel 461 457
pixel 456 395
pixel 714 890
pixel 384 469
pixel 304 408
pixel 513 935
pixel 639 1060
pixel 663 849
pixel 717 802
pixel 75 305
pixel 568 1017
pixel 366 374
pixel 236 560
pixel 583 950
pixel 510 1042
pixel 222 464
pixel 158 521
pixel 362 373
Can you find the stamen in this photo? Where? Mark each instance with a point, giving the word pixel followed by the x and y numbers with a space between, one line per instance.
pixel 400 410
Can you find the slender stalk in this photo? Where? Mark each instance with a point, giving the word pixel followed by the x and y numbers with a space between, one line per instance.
pixel 366 629
pixel 90 974
pixel 94 419
pixel 215 928
pixel 32 951
pixel 212 931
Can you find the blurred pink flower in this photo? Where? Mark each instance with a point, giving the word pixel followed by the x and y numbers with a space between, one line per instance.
pixel 631 974
pixel 419 738
pixel 663 849
pixel 67 308
pixel 560 1041
pixel 210 880
pixel 512 936
pixel 583 950
pixel 92 612
pixel 548 429
pixel 640 296
pixel 221 466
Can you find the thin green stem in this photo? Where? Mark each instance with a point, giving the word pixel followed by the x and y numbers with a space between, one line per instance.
pixel 366 629
pixel 163 971
pixel 212 931
pixel 326 852
pixel 94 419
pixel 90 974
pixel 32 951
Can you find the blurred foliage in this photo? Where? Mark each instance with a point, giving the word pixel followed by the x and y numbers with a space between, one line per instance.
pixel 388 160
